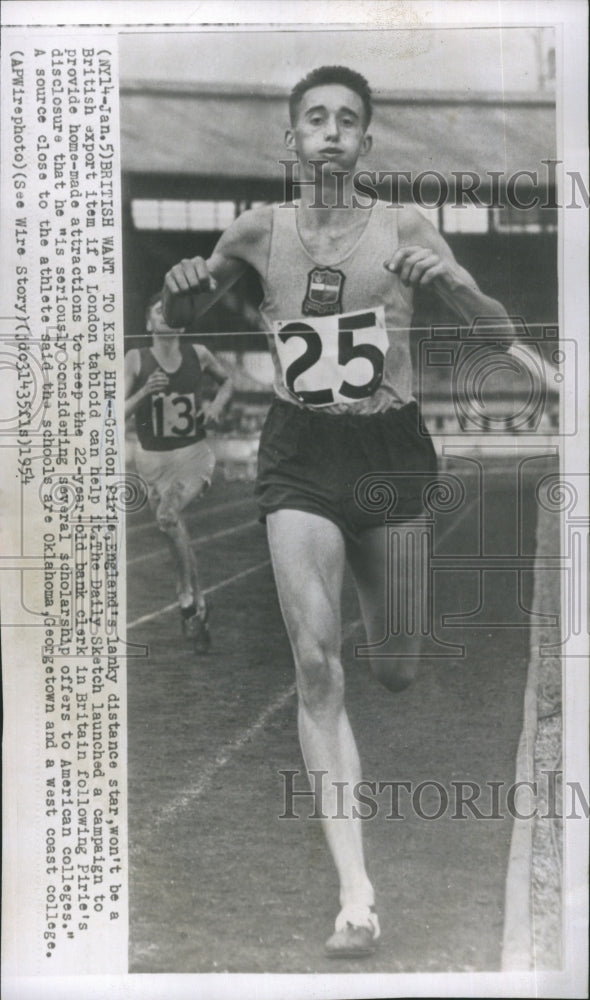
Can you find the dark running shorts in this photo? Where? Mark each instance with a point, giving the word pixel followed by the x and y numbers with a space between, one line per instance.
pixel 312 461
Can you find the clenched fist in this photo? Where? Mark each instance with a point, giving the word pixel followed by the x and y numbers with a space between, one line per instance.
pixel 157 382
pixel 190 276
pixel 417 265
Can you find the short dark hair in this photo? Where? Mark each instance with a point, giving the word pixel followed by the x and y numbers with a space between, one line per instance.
pixel 152 301
pixel 332 74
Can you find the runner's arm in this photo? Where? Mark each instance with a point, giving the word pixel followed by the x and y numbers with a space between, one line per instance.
pixel 192 286
pixel 157 381
pixel 210 364
pixel 425 258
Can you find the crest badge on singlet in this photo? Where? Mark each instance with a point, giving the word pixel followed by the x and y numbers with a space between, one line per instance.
pixel 324 292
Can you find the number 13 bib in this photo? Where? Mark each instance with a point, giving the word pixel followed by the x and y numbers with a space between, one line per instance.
pixel 332 359
pixel 175 415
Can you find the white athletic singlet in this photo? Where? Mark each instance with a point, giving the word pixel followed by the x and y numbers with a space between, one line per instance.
pixel 338 330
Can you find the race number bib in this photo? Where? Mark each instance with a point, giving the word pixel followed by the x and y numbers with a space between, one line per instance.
pixel 332 359
pixel 174 415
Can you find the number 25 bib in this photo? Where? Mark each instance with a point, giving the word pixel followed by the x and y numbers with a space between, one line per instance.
pixel 332 359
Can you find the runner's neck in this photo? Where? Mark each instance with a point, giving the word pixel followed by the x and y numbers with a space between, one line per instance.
pixel 166 349
pixel 336 195
pixel 328 232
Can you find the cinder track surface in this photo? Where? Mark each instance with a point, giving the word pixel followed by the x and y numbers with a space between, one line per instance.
pixel 217 881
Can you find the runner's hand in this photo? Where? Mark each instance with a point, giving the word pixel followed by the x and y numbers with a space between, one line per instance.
pixel 417 265
pixel 211 414
pixel 157 382
pixel 190 276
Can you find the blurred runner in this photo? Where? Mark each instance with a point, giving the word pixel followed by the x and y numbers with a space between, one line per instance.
pixel 163 389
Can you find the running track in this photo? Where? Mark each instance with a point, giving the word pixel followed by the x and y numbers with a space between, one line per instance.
pixel 217 881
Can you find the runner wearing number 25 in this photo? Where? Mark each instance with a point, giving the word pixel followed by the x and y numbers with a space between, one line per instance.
pixel 163 390
pixel 338 285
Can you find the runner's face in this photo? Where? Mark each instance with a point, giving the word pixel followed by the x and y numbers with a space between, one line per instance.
pixel 156 322
pixel 330 126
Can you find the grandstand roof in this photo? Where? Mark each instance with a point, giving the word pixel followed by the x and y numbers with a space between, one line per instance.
pixel 230 132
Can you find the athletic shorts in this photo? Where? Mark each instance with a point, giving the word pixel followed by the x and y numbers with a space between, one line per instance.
pixel 174 478
pixel 312 461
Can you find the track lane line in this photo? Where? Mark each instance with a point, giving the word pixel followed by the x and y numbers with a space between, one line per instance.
pixel 139 529
pixel 224 756
pixel 227 752
pixel 201 540
pixel 253 569
pixel 209 590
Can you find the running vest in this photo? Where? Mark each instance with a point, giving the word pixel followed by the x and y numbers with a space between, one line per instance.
pixel 171 419
pixel 338 330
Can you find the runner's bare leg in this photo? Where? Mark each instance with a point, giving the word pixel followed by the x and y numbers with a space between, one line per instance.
pixel 380 582
pixel 308 556
pixel 173 527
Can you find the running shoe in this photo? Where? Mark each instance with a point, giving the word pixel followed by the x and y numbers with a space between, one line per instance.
pixel 197 629
pixel 356 933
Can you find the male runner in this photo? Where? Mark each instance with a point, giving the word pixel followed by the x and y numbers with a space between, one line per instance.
pixel 163 385
pixel 338 285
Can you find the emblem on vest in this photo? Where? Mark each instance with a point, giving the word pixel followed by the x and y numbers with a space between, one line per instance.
pixel 324 292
